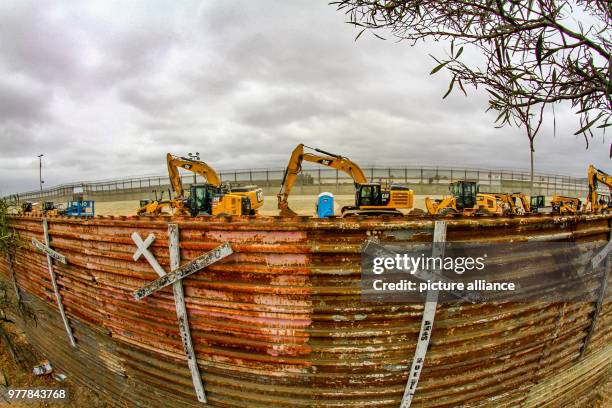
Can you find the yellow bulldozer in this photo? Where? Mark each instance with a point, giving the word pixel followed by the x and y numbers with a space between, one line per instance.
pixel 371 199
pixel 210 198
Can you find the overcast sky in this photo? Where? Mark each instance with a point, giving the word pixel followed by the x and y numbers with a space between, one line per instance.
pixel 105 88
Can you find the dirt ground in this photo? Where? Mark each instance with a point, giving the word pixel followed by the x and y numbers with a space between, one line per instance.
pixel 19 375
pixel 302 204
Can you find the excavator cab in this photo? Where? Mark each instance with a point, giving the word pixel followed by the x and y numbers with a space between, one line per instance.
pixel 201 198
pixel 465 193
pixel 537 202
pixel 371 195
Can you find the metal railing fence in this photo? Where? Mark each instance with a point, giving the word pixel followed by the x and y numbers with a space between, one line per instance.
pixel 493 180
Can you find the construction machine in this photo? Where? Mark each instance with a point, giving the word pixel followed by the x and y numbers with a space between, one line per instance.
pixel 565 205
pixel 466 200
pixel 48 208
pixel 598 202
pixel 525 203
pixel 370 198
pixel 210 198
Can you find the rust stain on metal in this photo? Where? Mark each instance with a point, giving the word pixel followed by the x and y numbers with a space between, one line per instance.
pixel 281 323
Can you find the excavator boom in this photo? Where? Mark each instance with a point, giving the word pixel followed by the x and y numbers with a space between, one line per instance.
pixel 596 176
pixel 197 167
pixel 326 159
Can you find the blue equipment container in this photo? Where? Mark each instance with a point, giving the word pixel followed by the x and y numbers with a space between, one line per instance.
pixel 85 208
pixel 325 205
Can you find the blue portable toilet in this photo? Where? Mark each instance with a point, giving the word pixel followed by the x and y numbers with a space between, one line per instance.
pixel 325 205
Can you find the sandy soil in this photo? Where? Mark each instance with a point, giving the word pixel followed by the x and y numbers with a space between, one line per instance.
pixel 302 204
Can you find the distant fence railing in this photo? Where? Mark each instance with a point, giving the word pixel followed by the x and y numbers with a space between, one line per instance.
pixel 489 180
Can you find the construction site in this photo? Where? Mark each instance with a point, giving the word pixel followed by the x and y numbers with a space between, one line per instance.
pixel 268 297
pixel 273 204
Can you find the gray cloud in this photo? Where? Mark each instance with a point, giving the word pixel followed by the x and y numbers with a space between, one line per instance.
pixel 106 88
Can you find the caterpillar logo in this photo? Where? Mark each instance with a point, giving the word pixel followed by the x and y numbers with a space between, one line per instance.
pixel 187 166
pixel 325 162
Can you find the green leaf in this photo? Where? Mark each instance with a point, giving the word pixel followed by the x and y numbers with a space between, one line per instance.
pixel 588 125
pixel 496 95
pixel 359 35
pixel 439 67
pixel 450 88
pixel 462 88
pixel 540 48
pixel 459 52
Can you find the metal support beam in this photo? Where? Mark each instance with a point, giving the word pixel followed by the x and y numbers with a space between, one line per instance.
pixel 603 255
pixel 9 260
pixel 47 249
pixel 429 314
pixel 181 313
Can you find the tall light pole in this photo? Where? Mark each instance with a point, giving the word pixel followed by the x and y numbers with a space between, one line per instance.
pixel 40 180
pixel 195 156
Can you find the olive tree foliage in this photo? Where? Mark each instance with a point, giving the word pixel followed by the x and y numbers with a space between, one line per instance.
pixel 536 53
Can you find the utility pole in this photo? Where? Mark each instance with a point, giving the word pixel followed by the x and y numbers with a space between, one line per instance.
pixel 40 180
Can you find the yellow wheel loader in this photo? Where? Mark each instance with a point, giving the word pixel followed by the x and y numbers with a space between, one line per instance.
pixel 465 200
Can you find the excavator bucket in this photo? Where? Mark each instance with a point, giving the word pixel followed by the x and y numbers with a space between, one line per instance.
pixel 287 212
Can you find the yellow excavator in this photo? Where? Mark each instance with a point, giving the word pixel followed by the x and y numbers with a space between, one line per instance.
pixel 597 202
pixel 210 198
pixel 370 198
pixel 466 200
pixel 525 203
pixel 565 205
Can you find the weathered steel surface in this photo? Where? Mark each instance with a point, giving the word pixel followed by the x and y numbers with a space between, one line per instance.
pixel 280 322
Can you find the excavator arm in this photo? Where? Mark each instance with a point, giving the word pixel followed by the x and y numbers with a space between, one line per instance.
pixel 194 166
pixel 325 159
pixel 596 176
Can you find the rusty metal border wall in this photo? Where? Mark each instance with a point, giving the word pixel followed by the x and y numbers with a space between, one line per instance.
pixel 280 322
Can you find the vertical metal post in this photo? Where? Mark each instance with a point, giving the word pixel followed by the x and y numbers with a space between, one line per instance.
pixel 55 287
pixel 429 314
pixel 181 313
pixel 602 294
pixel 337 182
pixel 9 260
